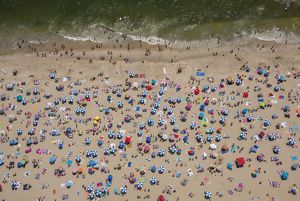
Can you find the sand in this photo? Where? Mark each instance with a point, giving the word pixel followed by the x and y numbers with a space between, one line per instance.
pixel 98 70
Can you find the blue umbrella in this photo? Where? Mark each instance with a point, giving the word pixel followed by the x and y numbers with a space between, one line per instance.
pixel 78 159
pixel 19 131
pixel 161 170
pixel 121 145
pixel 199 138
pixel 87 141
pixel 156 105
pixel 1 162
pixel 161 153
pixel 160 122
pixel 111 134
pixel 276 149
pixel 153 169
pixel 218 138
pixel 153 181
pixel 139 186
pixel 52 160
pixel 124 190
pixel 69 184
pixel 150 121
pixel 98 193
pixel 207 195
pixel 153 111
pixel 291 142
pixel 89 188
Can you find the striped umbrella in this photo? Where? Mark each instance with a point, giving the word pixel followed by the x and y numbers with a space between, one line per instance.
pixel 173 120
pixel 88 153
pixel 199 138
pixel 124 190
pixel 111 134
pixel 213 88
pixel 153 181
pixel 267 123
pixel 35 123
pixel 31 131
pixel 153 111
pixel 171 100
pixel 250 118
pixel 172 149
pixel 64 100
pixel 120 135
pixel 87 95
pixel 193 125
pixel 19 131
pixel 77 110
pixel 71 100
pixel 131 74
pixel 218 138
pixel 207 195
pixel 161 91
pixel 222 120
pixel 54 132
pixel 112 150
pixel 83 110
pixel 276 149
pixel 272 136
pixel 98 193
pixel 139 186
pixel 120 104
pixel 87 141
pixel 165 108
pixel 1 161
pixel 161 153
pixel 150 121
pixel 24 101
pixel 92 195
pixel 56 101
pixel 291 142
pixel 89 188
pixel 139 133
pixel 119 92
pixel 238 82
pixel 144 94
pixel 156 105
pixel 106 152
pixel 52 75
pixel 142 126
pixel 243 136
pixel 94 154
pixel 14 185
pixel 103 190
pixel 160 122
pixel 161 170
pixel 277 88
pixel 209 138
pixel 35 91
pixel 78 159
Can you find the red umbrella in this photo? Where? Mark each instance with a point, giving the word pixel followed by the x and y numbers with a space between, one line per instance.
pixel 127 140
pixel 161 198
pixel 146 149
pixel 196 91
pixel 149 87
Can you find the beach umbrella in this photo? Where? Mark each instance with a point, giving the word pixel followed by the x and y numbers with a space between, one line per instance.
pixel 161 170
pixel 244 111
pixel 100 143
pixel 284 175
pixel 202 107
pixel 153 111
pixel 54 132
pixel 170 112
pixel 277 88
pixel 185 139
pixel 260 157
pixel 131 74
pixel 165 108
pixel 98 193
pixel 78 159
pixel 94 154
pixel 14 185
pixel 106 152
pixel 160 122
pixel 222 120
pixel 142 101
pixel 249 118
pixel 124 190
pixel 19 98
pixel 127 119
pixel 142 125
pixel 119 92
pixel 272 136
pixel 218 138
pixel 161 91
pixel 293 190
pixel 150 121
pixel 144 94
pixel 207 195
pixel 52 75
pixel 161 153
pixel 243 136
pixel 173 120
pixel 83 110
pixel 286 108
pixel 191 151
pixel 153 169
pixel 1 162
pixel 120 135
pixel 266 123
pixel 192 125
pixel 112 150
pixel 92 195
pixel 199 138
pixel 56 101
pixel 153 181
pixel 172 149
pixel 139 133
pixel 148 139
pixel 111 134
pixel 183 117
pixel 139 186
pixel 87 141
pixel 77 111
pixel 178 99
pixel 69 184
pixel 188 106
pixel 156 105
pixel 238 82
pixel 120 104
pixel 130 100
pixel 291 142
pixel 64 100
pixel 52 160
pixel 88 153
pixel 71 100
pixel 171 100
pixel 121 145
pixel 276 149
pixel 19 131
pixel 280 78
pixel 294 166
pixel 201 115
pixel 104 190
pixel 24 101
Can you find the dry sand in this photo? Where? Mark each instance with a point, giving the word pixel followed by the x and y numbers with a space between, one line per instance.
pixel 230 58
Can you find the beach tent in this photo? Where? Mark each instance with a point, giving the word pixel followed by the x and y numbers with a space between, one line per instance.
pixel 240 162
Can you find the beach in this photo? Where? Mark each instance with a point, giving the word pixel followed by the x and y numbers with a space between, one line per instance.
pixel 212 117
